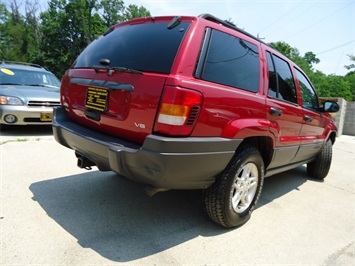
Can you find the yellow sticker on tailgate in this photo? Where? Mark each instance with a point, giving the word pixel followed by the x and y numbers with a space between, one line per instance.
pixel 96 98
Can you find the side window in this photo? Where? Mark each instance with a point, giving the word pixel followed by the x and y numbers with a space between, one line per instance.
pixel 232 61
pixel 309 97
pixel 281 82
pixel 272 77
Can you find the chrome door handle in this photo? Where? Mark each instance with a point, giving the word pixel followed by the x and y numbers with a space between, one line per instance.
pixel 275 111
pixel 307 118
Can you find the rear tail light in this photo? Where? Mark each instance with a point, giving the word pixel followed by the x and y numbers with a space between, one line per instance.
pixel 178 111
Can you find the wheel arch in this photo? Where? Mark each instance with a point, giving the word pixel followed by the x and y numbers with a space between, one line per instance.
pixel 263 143
pixel 254 132
pixel 332 137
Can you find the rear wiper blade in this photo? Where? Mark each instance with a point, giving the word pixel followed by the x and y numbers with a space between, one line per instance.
pixel 118 69
pixel 125 69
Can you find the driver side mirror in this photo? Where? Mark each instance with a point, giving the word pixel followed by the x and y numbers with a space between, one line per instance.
pixel 330 107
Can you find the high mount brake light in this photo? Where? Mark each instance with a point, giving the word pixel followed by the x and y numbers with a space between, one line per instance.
pixel 178 111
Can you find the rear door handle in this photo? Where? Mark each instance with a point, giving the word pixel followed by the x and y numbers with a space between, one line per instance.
pixel 307 118
pixel 275 111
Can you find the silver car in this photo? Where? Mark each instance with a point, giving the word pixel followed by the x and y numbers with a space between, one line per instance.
pixel 28 94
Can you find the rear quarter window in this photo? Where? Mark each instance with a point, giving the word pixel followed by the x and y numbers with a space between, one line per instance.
pixel 150 47
pixel 232 61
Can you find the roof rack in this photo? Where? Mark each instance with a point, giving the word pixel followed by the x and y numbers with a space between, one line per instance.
pixel 229 25
pixel 21 63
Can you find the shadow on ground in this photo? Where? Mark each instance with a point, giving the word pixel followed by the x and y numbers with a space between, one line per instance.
pixel 114 216
pixel 278 185
pixel 22 131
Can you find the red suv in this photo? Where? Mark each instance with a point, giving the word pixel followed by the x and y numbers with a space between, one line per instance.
pixel 193 103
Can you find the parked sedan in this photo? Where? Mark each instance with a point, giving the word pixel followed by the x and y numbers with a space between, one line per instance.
pixel 28 94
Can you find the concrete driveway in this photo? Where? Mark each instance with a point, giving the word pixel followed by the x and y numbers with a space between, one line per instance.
pixel 57 214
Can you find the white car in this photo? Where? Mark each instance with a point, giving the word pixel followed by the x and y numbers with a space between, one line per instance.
pixel 28 93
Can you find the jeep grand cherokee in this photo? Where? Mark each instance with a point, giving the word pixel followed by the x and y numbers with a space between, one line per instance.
pixel 193 103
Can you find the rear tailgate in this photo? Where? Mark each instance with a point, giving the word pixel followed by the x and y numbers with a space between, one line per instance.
pixel 116 83
pixel 96 103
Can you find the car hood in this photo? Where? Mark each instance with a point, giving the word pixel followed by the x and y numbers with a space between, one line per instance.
pixel 27 93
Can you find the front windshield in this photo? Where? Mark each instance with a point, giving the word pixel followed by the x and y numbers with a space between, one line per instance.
pixel 10 76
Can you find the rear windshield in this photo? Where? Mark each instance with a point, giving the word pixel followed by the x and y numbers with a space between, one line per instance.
pixel 146 47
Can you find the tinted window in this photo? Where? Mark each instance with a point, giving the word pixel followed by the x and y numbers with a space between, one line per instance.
pixel 232 61
pixel 272 92
pixel 146 47
pixel 309 97
pixel 286 89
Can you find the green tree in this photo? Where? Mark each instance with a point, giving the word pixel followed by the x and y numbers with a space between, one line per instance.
pixel 112 11
pixel 286 49
pixel 80 17
pixel 133 11
pixel 335 86
pixel 305 62
pixel 67 28
pixel 4 37
pixel 32 34
pixel 55 44
pixel 352 66
pixel 326 86
pixel 311 58
pixel 350 77
pixel 14 32
pixel 19 35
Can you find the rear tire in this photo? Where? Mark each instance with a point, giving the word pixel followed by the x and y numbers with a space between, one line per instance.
pixel 319 168
pixel 232 198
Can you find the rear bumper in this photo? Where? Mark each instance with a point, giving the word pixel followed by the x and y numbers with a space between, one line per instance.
pixel 163 162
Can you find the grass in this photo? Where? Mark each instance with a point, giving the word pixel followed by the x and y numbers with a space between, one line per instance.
pixel 15 140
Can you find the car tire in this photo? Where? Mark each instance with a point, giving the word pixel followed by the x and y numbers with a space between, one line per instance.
pixel 232 198
pixel 319 168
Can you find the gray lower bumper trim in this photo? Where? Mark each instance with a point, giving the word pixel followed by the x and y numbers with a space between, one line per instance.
pixel 172 163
